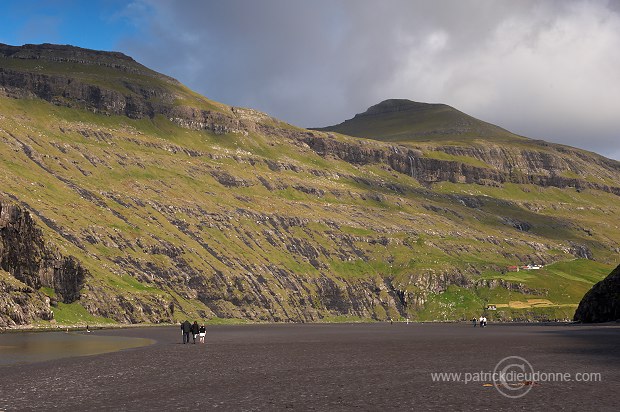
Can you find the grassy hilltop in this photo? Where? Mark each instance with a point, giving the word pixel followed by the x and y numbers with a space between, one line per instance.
pixel 178 206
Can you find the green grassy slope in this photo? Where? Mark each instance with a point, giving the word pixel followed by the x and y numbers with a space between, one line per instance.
pixel 146 196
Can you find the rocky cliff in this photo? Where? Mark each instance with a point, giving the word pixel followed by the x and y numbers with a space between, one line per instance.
pixel 25 255
pixel 499 165
pixel 32 264
pixel 602 302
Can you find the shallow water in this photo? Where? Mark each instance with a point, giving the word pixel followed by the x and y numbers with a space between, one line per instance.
pixel 17 348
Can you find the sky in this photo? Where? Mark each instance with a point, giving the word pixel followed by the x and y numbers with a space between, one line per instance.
pixel 543 69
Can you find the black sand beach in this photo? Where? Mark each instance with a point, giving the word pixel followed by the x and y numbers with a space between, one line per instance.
pixel 323 367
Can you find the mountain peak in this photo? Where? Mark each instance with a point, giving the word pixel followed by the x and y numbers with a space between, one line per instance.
pixel 48 52
pixel 110 83
pixel 402 120
pixel 397 105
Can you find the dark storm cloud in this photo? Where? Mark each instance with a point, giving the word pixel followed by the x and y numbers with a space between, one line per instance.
pixel 542 69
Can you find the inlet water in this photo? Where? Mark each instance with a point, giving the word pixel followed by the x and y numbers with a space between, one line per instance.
pixel 16 348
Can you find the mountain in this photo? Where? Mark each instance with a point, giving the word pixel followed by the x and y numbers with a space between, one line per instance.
pixel 440 132
pixel 401 120
pixel 602 302
pixel 126 197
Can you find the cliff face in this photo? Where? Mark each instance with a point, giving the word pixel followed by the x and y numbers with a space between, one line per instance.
pixel 504 165
pixel 139 200
pixel 139 93
pixel 26 256
pixel 29 263
pixel 602 302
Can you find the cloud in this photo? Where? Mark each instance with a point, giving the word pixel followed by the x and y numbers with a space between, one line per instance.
pixel 542 69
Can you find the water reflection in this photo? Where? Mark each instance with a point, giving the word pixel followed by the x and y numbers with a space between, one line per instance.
pixel 18 348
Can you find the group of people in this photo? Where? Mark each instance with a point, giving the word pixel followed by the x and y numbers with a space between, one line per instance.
pixel 195 330
pixel 482 320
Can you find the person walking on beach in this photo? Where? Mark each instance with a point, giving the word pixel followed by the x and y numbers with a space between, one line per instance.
pixel 202 332
pixel 195 330
pixel 186 328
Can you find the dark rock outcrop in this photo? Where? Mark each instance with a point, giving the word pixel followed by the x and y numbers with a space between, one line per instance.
pixel 31 260
pixel 602 302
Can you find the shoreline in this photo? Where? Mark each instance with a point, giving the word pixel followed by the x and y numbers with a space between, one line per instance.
pixel 107 326
pixel 81 328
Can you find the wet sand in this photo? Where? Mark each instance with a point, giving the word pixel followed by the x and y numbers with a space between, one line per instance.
pixel 322 367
